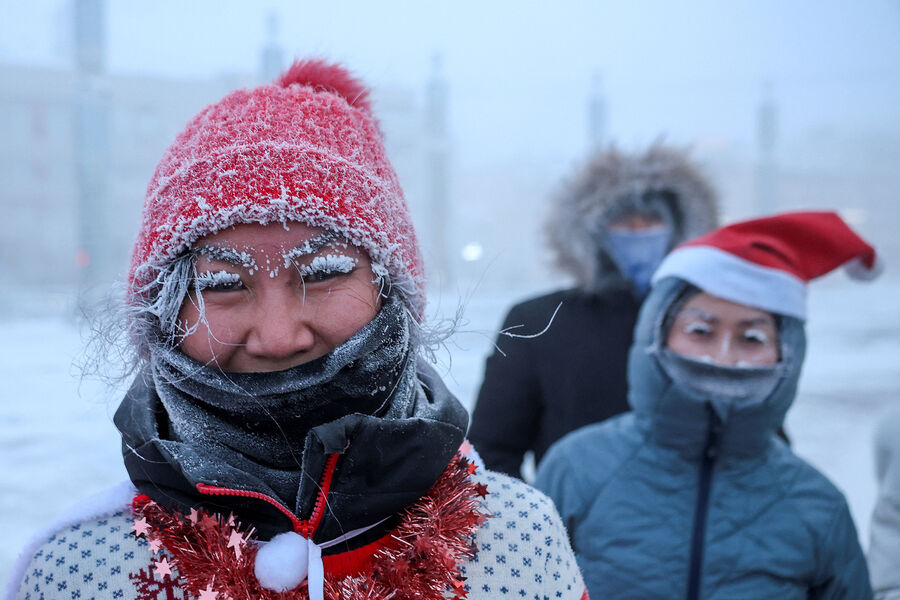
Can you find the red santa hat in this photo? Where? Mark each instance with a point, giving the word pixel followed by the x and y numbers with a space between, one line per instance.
pixel 306 148
pixel 766 263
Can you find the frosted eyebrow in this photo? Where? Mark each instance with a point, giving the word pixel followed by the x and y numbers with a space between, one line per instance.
pixel 226 254
pixel 310 246
pixel 756 322
pixel 696 312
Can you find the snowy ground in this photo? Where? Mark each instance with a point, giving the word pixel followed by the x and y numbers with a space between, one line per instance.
pixel 57 441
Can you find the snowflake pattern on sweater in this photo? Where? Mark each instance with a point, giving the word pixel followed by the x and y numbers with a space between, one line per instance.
pixel 523 553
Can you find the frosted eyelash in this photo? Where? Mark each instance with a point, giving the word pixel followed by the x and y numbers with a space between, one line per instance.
pixel 218 279
pixel 696 328
pixel 756 335
pixel 325 265
pixel 330 240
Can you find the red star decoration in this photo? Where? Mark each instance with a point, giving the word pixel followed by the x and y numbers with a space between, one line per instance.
pixel 208 522
pixel 466 448
pixel 140 527
pixel 163 567
pixel 208 593
pixel 459 588
pixel 235 542
pixel 472 468
pixel 481 490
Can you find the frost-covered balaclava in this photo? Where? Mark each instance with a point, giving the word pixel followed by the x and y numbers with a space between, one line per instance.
pixel 306 148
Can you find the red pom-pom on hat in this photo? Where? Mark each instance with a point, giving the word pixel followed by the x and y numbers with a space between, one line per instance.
pixel 324 76
pixel 767 262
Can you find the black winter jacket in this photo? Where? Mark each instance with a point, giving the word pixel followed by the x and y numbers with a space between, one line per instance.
pixel 536 390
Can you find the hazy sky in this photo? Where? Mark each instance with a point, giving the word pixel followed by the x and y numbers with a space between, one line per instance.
pixel 520 72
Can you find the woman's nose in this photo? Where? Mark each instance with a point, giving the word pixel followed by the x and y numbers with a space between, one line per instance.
pixel 727 353
pixel 282 327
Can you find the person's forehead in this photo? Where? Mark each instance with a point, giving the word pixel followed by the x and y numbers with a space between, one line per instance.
pixel 713 306
pixel 255 235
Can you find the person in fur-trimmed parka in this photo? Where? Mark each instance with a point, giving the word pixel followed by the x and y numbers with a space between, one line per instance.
pixel 609 228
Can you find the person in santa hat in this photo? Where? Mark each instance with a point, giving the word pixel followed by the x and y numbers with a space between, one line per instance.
pixel 608 227
pixel 284 435
pixel 692 494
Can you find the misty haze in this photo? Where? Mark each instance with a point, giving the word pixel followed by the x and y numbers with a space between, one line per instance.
pixel 485 108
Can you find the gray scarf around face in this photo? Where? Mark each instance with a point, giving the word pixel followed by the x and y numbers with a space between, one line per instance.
pixel 722 386
pixel 258 422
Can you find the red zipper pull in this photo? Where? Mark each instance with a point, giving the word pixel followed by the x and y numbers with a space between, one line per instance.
pixel 305 528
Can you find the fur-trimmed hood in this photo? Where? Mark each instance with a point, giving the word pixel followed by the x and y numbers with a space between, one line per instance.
pixel 580 210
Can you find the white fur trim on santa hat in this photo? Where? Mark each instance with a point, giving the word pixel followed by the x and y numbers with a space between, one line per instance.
pixel 730 277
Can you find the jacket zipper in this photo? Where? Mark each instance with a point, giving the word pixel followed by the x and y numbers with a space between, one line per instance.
pixel 698 534
pixel 305 528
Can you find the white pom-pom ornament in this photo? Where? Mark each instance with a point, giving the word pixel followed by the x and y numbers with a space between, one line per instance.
pixel 282 563
pixel 288 558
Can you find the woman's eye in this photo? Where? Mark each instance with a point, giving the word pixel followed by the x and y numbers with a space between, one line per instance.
pixel 697 328
pixel 320 275
pixel 755 336
pixel 222 281
pixel 327 267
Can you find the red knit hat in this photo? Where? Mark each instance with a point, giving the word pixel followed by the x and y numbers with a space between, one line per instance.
pixel 306 148
pixel 766 263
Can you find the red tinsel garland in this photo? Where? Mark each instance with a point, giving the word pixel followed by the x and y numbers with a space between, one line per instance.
pixel 419 561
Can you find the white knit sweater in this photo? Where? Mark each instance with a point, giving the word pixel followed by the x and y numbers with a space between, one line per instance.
pixel 523 552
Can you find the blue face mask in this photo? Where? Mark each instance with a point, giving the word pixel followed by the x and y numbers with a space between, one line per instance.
pixel 638 253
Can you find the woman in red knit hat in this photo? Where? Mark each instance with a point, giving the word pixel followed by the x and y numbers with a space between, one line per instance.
pixel 284 436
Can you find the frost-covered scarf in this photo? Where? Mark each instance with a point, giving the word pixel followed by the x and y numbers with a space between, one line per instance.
pixel 265 431
pixel 259 421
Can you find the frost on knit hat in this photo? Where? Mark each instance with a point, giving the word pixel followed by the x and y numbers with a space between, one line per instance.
pixel 766 263
pixel 306 148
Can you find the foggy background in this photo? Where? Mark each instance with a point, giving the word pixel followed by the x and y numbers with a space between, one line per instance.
pixel 486 108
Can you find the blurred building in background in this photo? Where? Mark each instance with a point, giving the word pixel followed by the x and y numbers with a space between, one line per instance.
pixel 42 151
pixel 78 145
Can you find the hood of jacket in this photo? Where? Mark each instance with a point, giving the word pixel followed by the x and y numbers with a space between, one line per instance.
pixel 581 209
pixel 678 418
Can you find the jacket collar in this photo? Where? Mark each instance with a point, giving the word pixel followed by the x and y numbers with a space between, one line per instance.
pixel 385 463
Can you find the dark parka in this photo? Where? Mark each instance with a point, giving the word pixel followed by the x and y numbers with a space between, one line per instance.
pixel 672 501
pixel 537 389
